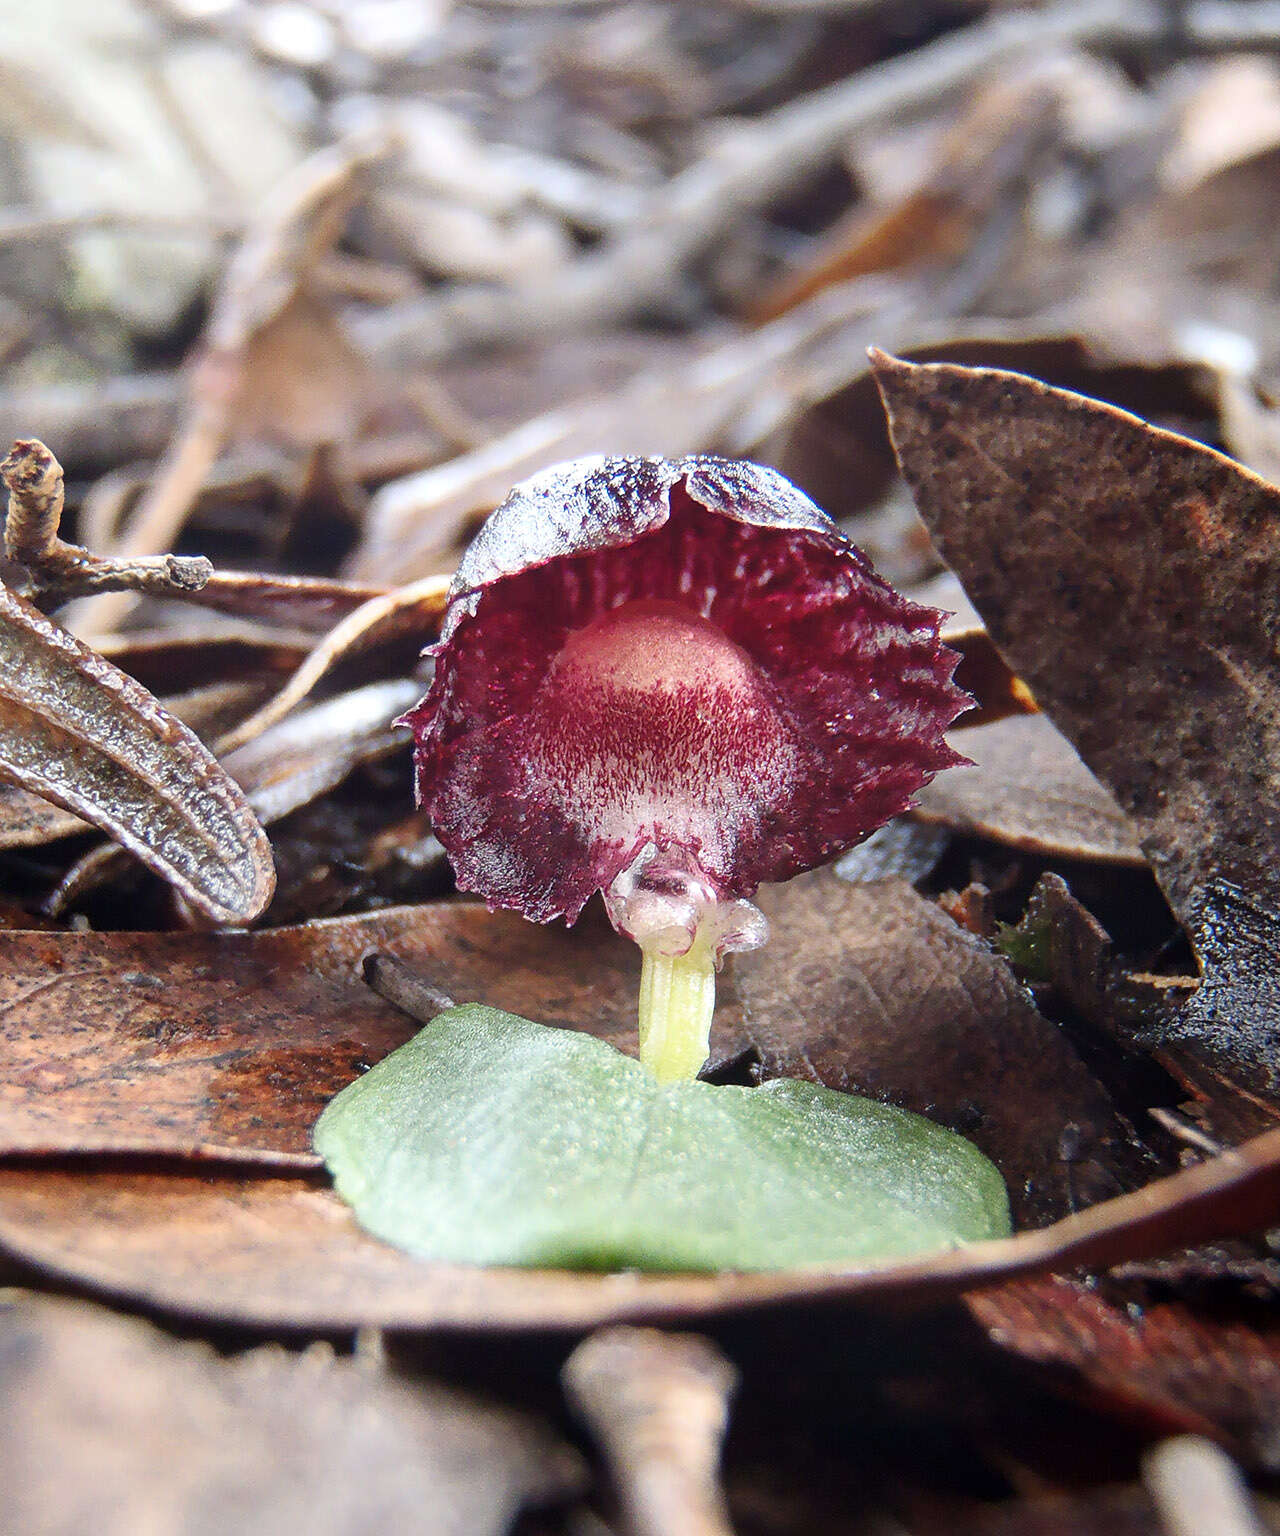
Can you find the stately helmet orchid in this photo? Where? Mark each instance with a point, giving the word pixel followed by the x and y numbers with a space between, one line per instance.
pixel 670 681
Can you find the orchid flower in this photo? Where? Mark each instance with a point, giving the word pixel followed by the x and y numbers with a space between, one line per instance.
pixel 669 682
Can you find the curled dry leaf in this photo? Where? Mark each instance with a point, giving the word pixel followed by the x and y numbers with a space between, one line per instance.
pixel 79 732
pixel 1028 789
pixel 409 615
pixel 266 1442
pixel 1132 577
pixel 26 821
pixel 281 1252
pixel 290 765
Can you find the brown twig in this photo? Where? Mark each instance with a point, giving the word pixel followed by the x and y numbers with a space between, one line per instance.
pixel 403 988
pixel 658 1403
pixel 58 571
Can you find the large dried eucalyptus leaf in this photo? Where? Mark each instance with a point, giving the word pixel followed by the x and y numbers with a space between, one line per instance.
pixel 489 1139
pixel 76 730
pixel 1132 577
pixel 281 1253
pixel 228 1045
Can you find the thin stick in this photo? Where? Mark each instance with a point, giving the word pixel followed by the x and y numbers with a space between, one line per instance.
pixel 402 986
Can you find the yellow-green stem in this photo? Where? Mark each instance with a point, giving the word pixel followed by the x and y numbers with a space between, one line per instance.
pixel 677 999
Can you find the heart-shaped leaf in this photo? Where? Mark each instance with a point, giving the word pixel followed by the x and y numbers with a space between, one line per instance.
pixel 488 1139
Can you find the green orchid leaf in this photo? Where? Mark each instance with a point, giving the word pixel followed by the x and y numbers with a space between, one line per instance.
pixel 488 1139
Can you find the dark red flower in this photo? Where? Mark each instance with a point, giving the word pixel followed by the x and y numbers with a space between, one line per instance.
pixel 686 657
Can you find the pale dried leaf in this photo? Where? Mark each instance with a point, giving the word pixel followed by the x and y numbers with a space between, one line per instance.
pixel 125 1430
pixel 1028 789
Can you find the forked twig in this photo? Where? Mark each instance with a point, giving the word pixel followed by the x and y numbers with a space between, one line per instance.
pixel 58 571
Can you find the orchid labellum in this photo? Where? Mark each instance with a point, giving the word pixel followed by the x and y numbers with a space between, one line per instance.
pixel 671 681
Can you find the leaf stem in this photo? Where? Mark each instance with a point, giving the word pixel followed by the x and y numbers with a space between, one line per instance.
pixel 677 999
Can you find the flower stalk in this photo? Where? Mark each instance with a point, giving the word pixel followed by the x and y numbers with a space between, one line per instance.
pixel 677 1000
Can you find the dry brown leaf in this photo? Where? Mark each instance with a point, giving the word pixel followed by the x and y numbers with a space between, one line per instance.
pixel 285 1253
pixel 1191 1372
pixel 838 448
pixel 1132 577
pixel 713 397
pixel 872 989
pixel 230 1045
pixel 81 733
pixel 124 1429
pixel 1031 791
